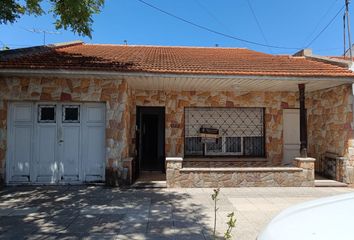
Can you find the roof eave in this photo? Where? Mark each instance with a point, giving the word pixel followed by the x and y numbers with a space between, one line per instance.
pixel 113 74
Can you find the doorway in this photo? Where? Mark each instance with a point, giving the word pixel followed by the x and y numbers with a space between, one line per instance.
pixel 291 133
pixel 150 137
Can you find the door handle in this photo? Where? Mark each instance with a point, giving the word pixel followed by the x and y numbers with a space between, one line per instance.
pixel 60 135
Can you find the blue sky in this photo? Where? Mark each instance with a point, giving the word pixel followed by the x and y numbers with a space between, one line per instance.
pixel 285 23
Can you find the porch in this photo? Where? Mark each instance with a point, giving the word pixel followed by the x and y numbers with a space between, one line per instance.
pixel 264 152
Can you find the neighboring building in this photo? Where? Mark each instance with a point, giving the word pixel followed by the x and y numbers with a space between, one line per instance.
pixel 75 112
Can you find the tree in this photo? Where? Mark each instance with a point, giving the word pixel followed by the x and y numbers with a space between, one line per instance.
pixel 73 14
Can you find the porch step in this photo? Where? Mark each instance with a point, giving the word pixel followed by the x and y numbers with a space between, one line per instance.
pixel 149 184
pixel 329 183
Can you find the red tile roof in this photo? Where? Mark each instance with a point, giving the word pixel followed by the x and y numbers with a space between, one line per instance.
pixel 174 60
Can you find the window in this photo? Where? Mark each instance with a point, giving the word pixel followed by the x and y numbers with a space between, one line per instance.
pixel 71 114
pixel 46 113
pixel 237 131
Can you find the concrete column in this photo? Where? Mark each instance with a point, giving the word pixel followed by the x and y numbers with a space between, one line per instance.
pixel 173 166
pixel 308 167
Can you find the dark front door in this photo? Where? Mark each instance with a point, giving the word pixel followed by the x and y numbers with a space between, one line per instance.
pixel 151 137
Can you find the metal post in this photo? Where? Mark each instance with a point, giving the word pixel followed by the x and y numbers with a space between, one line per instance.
pixel 303 122
pixel 345 47
pixel 348 24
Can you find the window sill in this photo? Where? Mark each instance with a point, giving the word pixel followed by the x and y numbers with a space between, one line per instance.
pixel 225 159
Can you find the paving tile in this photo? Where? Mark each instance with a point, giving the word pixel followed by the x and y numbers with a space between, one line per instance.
pixel 134 227
pixel 23 211
pixel 53 224
pixel 136 217
pixel 42 236
pixel 108 224
pixel 161 227
pixel 5 211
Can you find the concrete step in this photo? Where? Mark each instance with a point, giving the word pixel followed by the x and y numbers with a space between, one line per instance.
pixel 149 184
pixel 329 183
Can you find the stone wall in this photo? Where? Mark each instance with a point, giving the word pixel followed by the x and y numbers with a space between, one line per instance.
pixel 115 93
pixel 330 117
pixel 176 101
pixel 302 175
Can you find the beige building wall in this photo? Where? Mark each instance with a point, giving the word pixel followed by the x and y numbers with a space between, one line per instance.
pixel 330 125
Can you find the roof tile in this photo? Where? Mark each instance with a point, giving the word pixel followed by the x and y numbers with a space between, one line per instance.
pixel 174 60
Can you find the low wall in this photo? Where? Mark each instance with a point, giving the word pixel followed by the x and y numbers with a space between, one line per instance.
pixel 226 162
pixel 301 175
pixel 333 166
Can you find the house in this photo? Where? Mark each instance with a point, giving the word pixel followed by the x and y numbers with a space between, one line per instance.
pixel 208 117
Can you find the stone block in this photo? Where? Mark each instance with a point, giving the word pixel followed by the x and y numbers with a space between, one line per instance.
pixel 128 164
pixel 112 177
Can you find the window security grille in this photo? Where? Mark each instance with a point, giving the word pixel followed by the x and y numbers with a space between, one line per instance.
pixel 241 131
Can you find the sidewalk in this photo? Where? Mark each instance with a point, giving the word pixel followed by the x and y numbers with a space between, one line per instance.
pixel 86 212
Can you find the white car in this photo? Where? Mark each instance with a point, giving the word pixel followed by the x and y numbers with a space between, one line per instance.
pixel 330 218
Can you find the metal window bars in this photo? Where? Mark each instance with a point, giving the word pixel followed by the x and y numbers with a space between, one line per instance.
pixel 240 131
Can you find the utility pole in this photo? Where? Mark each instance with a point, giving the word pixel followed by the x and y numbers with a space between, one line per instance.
pixel 346 16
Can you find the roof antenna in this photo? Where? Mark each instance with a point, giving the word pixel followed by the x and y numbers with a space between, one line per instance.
pixel 45 32
pixel 125 42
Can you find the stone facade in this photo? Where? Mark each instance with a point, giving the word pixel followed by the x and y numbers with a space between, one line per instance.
pixel 330 114
pixel 113 92
pixel 302 175
pixel 175 102
pixel 330 129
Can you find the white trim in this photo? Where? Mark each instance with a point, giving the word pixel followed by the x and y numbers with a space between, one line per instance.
pixel 176 159
pixel 79 73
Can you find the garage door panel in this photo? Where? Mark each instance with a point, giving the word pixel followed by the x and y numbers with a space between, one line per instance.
pixel 95 152
pixel 95 113
pixel 46 164
pixel 51 143
pixel 22 155
pixel 23 113
pixel 69 165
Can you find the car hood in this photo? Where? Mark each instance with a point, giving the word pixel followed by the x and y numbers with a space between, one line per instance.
pixel 321 219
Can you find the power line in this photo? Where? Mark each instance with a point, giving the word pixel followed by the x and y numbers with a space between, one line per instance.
pixel 258 24
pixel 320 21
pixel 215 31
pixel 212 15
pixel 330 22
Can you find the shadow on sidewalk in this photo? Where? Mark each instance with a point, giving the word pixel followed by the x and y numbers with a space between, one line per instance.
pixel 97 212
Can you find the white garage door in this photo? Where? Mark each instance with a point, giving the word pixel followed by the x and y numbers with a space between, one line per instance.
pixel 56 142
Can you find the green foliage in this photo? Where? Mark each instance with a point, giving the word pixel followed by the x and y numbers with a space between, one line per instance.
pixel 75 15
pixel 214 197
pixel 231 223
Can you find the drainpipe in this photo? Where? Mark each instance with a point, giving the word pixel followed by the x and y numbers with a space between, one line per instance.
pixel 303 122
